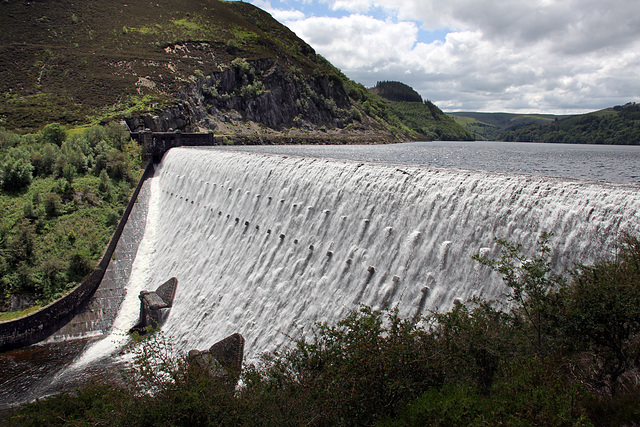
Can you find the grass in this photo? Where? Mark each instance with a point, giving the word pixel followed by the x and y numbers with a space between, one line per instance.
pixel 4 316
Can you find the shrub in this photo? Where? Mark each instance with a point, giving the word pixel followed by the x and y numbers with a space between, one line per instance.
pixel 8 139
pixel 531 280
pixel 79 266
pixel 16 171
pixel 118 165
pixel 371 363
pixel 241 64
pixel 116 134
pixel 52 204
pixel 601 310
pixel 232 46
pixel 53 133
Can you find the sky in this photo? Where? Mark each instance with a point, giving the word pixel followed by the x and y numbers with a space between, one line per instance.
pixel 520 56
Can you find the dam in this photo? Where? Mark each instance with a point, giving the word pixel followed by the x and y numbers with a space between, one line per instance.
pixel 266 245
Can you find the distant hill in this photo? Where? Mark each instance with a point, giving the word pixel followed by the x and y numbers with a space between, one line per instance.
pixel 491 126
pixel 396 91
pixel 425 119
pixel 618 125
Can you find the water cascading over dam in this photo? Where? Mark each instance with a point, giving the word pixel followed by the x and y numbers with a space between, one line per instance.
pixel 266 245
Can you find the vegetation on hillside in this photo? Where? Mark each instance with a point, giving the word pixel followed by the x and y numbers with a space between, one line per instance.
pixel 564 351
pixel 619 125
pixel 78 62
pixel 424 119
pixel 74 62
pixel 61 196
pixel 429 122
pixel 396 91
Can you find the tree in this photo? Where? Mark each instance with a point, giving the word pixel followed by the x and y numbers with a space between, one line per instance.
pixel 531 282
pixel 52 204
pixel 53 133
pixel 475 338
pixel 602 311
pixel 16 170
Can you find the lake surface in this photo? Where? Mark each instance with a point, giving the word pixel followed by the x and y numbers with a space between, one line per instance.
pixel 598 162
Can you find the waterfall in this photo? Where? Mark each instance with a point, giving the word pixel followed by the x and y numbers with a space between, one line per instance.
pixel 266 245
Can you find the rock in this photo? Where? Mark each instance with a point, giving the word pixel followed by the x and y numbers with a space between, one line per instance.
pixel 223 360
pixel 285 99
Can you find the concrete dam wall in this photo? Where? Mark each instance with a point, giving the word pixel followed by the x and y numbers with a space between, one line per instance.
pixel 266 245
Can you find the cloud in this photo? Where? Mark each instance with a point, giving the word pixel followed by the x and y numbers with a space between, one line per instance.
pixel 357 41
pixel 507 55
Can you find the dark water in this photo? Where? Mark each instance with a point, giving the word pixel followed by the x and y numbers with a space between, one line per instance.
pixel 598 162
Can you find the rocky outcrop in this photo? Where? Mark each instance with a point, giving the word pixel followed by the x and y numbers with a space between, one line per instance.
pixel 223 360
pixel 265 93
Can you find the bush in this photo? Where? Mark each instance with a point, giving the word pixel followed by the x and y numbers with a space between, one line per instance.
pixel 79 266
pixel 16 171
pixel 52 204
pixel 8 139
pixel 117 135
pixel 118 165
pixel 53 133
pixel 601 310
pixel 369 364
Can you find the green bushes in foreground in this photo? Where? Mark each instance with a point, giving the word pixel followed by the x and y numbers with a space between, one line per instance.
pixel 564 352
pixel 59 194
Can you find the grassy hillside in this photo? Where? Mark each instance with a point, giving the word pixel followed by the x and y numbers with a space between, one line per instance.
pixel 73 62
pixel 429 122
pixel 425 120
pixel 619 125
pixel 491 126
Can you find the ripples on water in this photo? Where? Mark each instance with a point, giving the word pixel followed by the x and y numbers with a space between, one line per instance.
pixel 600 162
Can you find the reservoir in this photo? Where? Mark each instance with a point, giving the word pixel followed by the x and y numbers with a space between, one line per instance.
pixel 617 163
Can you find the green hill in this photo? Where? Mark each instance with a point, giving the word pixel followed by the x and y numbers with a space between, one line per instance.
pixel 425 119
pixel 616 125
pixel 193 65
pixel 619 125
pixel 491 126
pixel 429 122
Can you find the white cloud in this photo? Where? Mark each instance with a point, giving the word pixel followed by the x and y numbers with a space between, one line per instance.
pixel 539 55
pixel 357 41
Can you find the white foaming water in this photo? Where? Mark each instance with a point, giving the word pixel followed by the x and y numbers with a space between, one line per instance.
pixel 266 245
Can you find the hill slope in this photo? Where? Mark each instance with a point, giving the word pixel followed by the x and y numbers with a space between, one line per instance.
pixel 619 125
pixel 616 125
pixel 425 119
pixel 491 126
pixel 163 64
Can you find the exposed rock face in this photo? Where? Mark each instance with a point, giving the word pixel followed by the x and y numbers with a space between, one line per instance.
pixel 261 91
